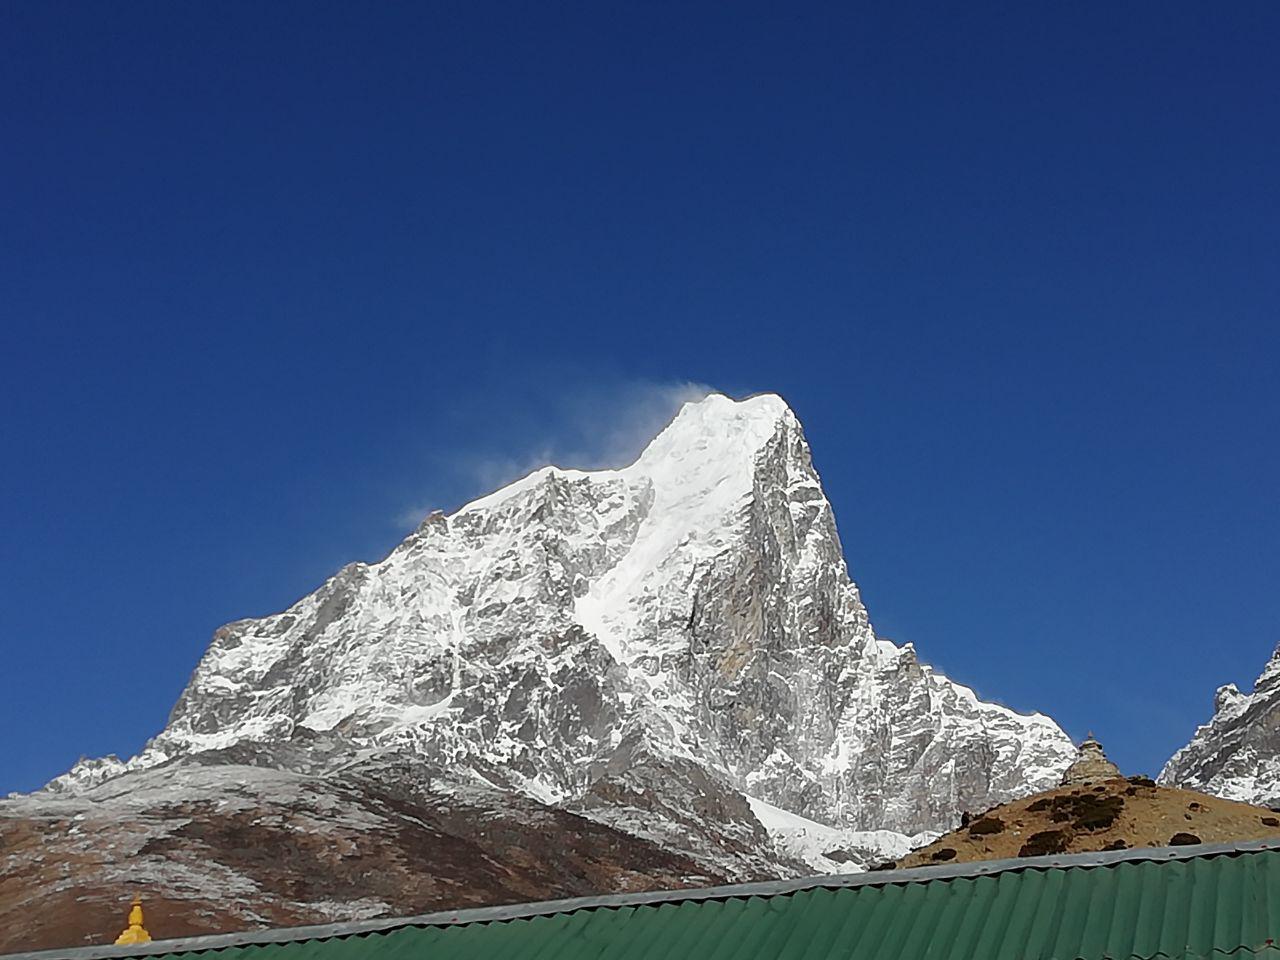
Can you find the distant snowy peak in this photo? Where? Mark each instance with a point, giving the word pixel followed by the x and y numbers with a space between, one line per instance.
pixel 691 612
pixel 1237 753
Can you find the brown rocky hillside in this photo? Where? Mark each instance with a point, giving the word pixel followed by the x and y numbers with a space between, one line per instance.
pixel 1112 814
pixel 222 848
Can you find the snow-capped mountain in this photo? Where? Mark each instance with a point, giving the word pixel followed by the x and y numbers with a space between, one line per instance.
pixel 1237 753
pixel 673 650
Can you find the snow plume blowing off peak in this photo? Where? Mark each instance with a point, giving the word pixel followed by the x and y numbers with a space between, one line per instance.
pixel 593 427
pixel 627 643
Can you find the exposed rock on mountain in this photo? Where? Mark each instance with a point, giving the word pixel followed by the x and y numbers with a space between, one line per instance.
pixel 673 650
pixel 1237 753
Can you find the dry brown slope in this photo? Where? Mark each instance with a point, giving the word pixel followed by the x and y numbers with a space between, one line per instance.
pixel 220 849
pixel 1113 814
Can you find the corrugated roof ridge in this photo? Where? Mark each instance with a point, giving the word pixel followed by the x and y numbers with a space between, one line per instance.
pixel 516 911
pixel 1213 951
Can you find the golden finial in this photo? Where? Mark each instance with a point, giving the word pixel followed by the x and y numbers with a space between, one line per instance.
pixel 135 932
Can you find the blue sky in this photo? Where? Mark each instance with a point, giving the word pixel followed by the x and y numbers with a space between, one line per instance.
pixel 274 278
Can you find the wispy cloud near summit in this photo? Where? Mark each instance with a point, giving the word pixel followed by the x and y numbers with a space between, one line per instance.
pixel 617 423
pixel 596 427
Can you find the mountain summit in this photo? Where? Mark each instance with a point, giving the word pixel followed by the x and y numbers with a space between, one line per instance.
pixel 695 602
pixel 673 650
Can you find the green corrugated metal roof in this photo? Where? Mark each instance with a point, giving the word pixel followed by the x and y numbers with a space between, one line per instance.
pixel 1181 904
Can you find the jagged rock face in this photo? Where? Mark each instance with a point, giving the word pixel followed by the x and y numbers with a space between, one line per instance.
pixel 1237 753
pixel 587 639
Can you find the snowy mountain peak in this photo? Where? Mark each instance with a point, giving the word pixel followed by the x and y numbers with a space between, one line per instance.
pixel 715 435
pixel 708 443
pixel 582 636
pixel 1237 753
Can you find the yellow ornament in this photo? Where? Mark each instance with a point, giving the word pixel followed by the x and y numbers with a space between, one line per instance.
pixel 135 932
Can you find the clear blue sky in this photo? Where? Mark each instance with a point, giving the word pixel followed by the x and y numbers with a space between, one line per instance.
pixel 275 276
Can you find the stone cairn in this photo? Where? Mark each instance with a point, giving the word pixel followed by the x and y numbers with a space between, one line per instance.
pixel 1090 765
